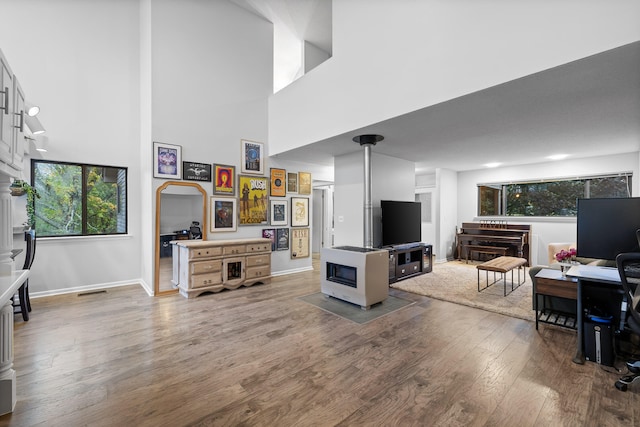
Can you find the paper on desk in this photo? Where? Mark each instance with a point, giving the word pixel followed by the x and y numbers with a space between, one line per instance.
pixel 609 274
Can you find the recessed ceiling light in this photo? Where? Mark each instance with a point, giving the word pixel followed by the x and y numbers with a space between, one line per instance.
pixel 493 165
pixel 558 156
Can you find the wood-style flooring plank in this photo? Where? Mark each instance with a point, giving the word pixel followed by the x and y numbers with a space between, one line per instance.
pixel 260 356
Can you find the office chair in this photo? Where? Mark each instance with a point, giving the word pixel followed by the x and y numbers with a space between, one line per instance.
pixel 629 269
pixel 24 303
pixel 194 231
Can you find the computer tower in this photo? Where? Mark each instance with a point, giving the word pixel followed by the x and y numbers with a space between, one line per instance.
pixel 598 340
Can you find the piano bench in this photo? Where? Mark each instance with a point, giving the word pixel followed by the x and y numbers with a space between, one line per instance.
pixel 503 265
pixel 495 250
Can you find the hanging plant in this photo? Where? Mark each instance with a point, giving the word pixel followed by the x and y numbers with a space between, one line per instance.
pixel 19 188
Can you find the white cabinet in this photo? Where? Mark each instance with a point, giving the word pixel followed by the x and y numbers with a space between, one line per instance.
pixel 12 105
pixel 6 111
pixel 18 125
pixel 214 265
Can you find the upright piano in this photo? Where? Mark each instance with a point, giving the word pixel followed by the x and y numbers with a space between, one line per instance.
pixel 507 239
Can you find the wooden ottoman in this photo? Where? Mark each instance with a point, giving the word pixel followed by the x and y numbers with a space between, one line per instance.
pixel 503 265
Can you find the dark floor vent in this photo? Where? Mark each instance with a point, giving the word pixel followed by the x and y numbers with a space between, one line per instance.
pixel 101 291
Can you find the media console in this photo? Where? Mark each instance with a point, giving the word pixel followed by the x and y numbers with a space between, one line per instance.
pixel 409 260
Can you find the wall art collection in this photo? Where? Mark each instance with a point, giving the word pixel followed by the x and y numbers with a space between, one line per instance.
pixel 248 198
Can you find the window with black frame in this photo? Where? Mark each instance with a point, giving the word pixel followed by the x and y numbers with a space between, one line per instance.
pixel 75 199
pixel 549 198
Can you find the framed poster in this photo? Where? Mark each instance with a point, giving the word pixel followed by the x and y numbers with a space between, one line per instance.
pixel 270 233
pixel 253 199
pixel 279 212
pixel 299 211
pixel 282 239
pixel 292 182
pixel 167 161
pixel 304 183
pixel 224 180
pixel 252 157
pixel 299 243
pixel 223 214
pixel 192 171
pixel 278 182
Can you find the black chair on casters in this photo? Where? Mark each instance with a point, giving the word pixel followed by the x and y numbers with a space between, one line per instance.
pixel 24 303
pixel 629 269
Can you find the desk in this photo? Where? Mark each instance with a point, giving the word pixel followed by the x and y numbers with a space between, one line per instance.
pixel 550 282
pixel 603 278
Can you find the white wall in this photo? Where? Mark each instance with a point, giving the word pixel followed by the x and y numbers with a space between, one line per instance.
pixel 391 179
pixel 544 230
pixel 447 209
pixel 313 56
pixel 112 76
pixel 212 74
pixel 84 74
pixel 448 49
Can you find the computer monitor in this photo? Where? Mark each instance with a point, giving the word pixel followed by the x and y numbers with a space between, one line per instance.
pixel 607 227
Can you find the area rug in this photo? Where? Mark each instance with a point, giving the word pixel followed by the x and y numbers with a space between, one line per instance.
pixel 457 282
pixel 353 312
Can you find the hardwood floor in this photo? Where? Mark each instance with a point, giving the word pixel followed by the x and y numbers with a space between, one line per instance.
pixel 259 356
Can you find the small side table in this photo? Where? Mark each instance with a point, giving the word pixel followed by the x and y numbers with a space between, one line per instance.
pixel 552 283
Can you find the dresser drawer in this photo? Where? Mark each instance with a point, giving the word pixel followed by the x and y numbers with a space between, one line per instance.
pixel 196 253
pixel 557 288
pixel 253 260
pixel 233 250
pixel 203 267
pixel 255 272
pixel 259 247
pixel 202 280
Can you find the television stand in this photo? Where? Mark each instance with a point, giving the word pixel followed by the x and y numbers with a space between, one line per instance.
pixel 408 260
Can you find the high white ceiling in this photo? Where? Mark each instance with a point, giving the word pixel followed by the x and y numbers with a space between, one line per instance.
pixel 585 108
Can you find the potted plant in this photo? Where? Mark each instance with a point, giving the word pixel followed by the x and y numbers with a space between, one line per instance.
pixel 20 187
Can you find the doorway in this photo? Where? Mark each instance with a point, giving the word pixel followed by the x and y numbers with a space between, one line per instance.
pixel 322 218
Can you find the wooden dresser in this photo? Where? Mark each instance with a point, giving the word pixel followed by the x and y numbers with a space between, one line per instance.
pixel 213 265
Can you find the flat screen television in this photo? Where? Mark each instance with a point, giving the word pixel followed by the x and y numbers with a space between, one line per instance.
pixel 607 227
pixel 401 222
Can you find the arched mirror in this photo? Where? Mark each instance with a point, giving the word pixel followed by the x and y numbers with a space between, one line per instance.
pixel 178 205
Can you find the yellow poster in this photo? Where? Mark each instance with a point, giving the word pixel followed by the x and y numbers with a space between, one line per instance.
pixel 253 200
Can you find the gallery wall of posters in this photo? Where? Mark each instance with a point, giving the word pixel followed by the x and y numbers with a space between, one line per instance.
pixel 252 157
pixel 299 211
pixel 167 161
pixel 192 171
pixel 279 212
pixel 222 211
pixel 299 242
pixel 282 239
pixel 248 194
pixel 270 233
pixel 254 200
pixel 304 183
pixel 224 178
pixel 278 182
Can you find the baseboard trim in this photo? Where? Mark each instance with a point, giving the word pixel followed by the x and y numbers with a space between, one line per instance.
pixel 94 287
pixel 292 271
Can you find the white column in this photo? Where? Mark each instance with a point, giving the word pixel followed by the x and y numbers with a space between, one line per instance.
pixel 7 374
pixel 6 226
